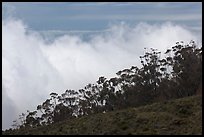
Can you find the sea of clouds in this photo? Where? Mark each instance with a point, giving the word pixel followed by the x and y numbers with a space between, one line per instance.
pixel 32 67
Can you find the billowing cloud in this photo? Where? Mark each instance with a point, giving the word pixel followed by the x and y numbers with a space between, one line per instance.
pixel 32 68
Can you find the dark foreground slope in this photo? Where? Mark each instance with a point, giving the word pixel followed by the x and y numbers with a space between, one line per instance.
pixel 180 116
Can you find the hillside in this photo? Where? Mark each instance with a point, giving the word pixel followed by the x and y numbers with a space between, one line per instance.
pixel 180 116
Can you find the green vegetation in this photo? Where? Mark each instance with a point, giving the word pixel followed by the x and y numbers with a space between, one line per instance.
pixel 173 117
pixel 177 75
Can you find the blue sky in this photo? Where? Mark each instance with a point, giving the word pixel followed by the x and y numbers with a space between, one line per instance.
pixel 99 15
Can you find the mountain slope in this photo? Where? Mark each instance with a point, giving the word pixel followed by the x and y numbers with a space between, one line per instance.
pixel 180 116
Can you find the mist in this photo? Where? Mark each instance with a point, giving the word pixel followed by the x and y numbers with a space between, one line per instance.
pixel 32 68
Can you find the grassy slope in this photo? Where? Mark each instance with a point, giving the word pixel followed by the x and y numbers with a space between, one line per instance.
pixel 181 116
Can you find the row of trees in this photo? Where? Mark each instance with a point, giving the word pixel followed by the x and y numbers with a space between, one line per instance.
pixel 177 74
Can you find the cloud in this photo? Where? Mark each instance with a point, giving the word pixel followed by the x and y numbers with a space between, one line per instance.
pixel 33 68
pixel 137 17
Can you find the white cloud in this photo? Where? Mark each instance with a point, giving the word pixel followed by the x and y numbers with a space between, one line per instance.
pixel 33 68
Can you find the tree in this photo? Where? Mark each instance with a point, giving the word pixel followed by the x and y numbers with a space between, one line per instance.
pixel 187 68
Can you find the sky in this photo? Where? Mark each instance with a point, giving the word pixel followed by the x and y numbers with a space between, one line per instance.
pixel 51 47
